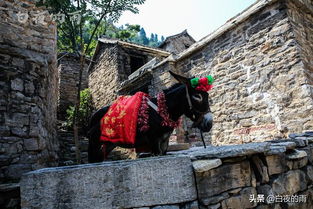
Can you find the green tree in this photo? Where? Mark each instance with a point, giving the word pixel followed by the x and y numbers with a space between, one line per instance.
pixel 156 39
pixel 162 39
pixel 152 37
pixel 84 112
pixel 128 33
pixel 80 36
pixel 143 37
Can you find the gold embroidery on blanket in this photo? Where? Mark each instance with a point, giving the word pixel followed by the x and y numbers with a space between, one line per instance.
pixel 106 119
pixel 109 131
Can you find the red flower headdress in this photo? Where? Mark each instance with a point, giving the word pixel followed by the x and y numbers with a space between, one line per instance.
pixel 202 84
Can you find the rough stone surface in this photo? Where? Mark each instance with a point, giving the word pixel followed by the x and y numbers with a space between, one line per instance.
pixel 177 43
pixel 111 185
pixel 296 164
pixel 226 151
pixel 214 199
pixel 205 165
pixel 309 173
pixel 303 204
pixel 296 154
pixel 69 66
pixel 226 176
pixel 265 190
pixel 216 206
pixel 290 183
pixel 242 200
pixel 296 159
pixel 28 89
pixel 275 164
pixel 191 205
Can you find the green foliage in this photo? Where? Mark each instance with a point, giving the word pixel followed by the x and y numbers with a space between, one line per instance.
pixel 143 37
pixel 95 16
pixel 125 33
pixel 132 33
pixel 84 111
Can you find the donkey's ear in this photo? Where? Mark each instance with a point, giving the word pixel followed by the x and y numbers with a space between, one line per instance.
pixel 179 78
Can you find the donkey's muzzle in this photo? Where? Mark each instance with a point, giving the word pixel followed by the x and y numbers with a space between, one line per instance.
pixel 206 123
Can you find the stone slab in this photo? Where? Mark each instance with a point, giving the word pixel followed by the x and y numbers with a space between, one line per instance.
pixel 226 151
pixel 242 200
pixel 296 154
pixel 276 164
pixel 290 183
pixel 223 178
pixel 206 165
pixel 122 184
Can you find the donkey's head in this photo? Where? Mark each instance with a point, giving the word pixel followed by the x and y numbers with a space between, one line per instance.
pixel 197 100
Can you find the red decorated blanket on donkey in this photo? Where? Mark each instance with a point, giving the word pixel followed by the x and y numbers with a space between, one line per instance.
pixel 119 124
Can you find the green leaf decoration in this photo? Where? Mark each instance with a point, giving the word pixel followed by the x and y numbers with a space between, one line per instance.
pixel 194 82
pixel 210 79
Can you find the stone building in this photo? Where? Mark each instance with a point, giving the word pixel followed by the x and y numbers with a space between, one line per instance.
pixel 177 43
pixel 261 60
pixel 68 69
pixel 28 94
pixel 117 61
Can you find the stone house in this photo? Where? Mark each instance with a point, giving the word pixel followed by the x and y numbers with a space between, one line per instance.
pixel 261 60
pixel 177 43
pixel 68 70
pixel 113 62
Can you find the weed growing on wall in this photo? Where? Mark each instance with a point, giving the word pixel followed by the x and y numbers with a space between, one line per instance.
pixel 84 112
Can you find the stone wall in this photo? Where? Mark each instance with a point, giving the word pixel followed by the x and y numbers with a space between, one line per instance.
pixel 261 60
pixel 301 17
pixel 28 88
pixel 114 61
pixel 177 43
pixel 103 76
pixel 264 175
pixel 69 66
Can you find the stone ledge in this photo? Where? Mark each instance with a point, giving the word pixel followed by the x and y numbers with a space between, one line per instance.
pixel 123 184
pixel 273 147
pixel 198 153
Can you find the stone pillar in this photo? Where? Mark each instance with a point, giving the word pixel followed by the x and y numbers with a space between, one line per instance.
pixel 28 89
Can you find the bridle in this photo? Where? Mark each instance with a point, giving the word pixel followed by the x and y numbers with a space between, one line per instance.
pixel 196 121
pixel 194 112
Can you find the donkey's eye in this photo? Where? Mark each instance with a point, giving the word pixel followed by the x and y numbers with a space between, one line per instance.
pixel 197 97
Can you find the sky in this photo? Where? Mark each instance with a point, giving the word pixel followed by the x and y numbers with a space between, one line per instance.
pixel 199 17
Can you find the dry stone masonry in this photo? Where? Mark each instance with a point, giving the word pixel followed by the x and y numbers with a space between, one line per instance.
pixel 28 95
pixel 28 91
pixel 274 174
pixel 68 69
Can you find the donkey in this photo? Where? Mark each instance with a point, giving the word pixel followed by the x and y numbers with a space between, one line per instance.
pixel 181 99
